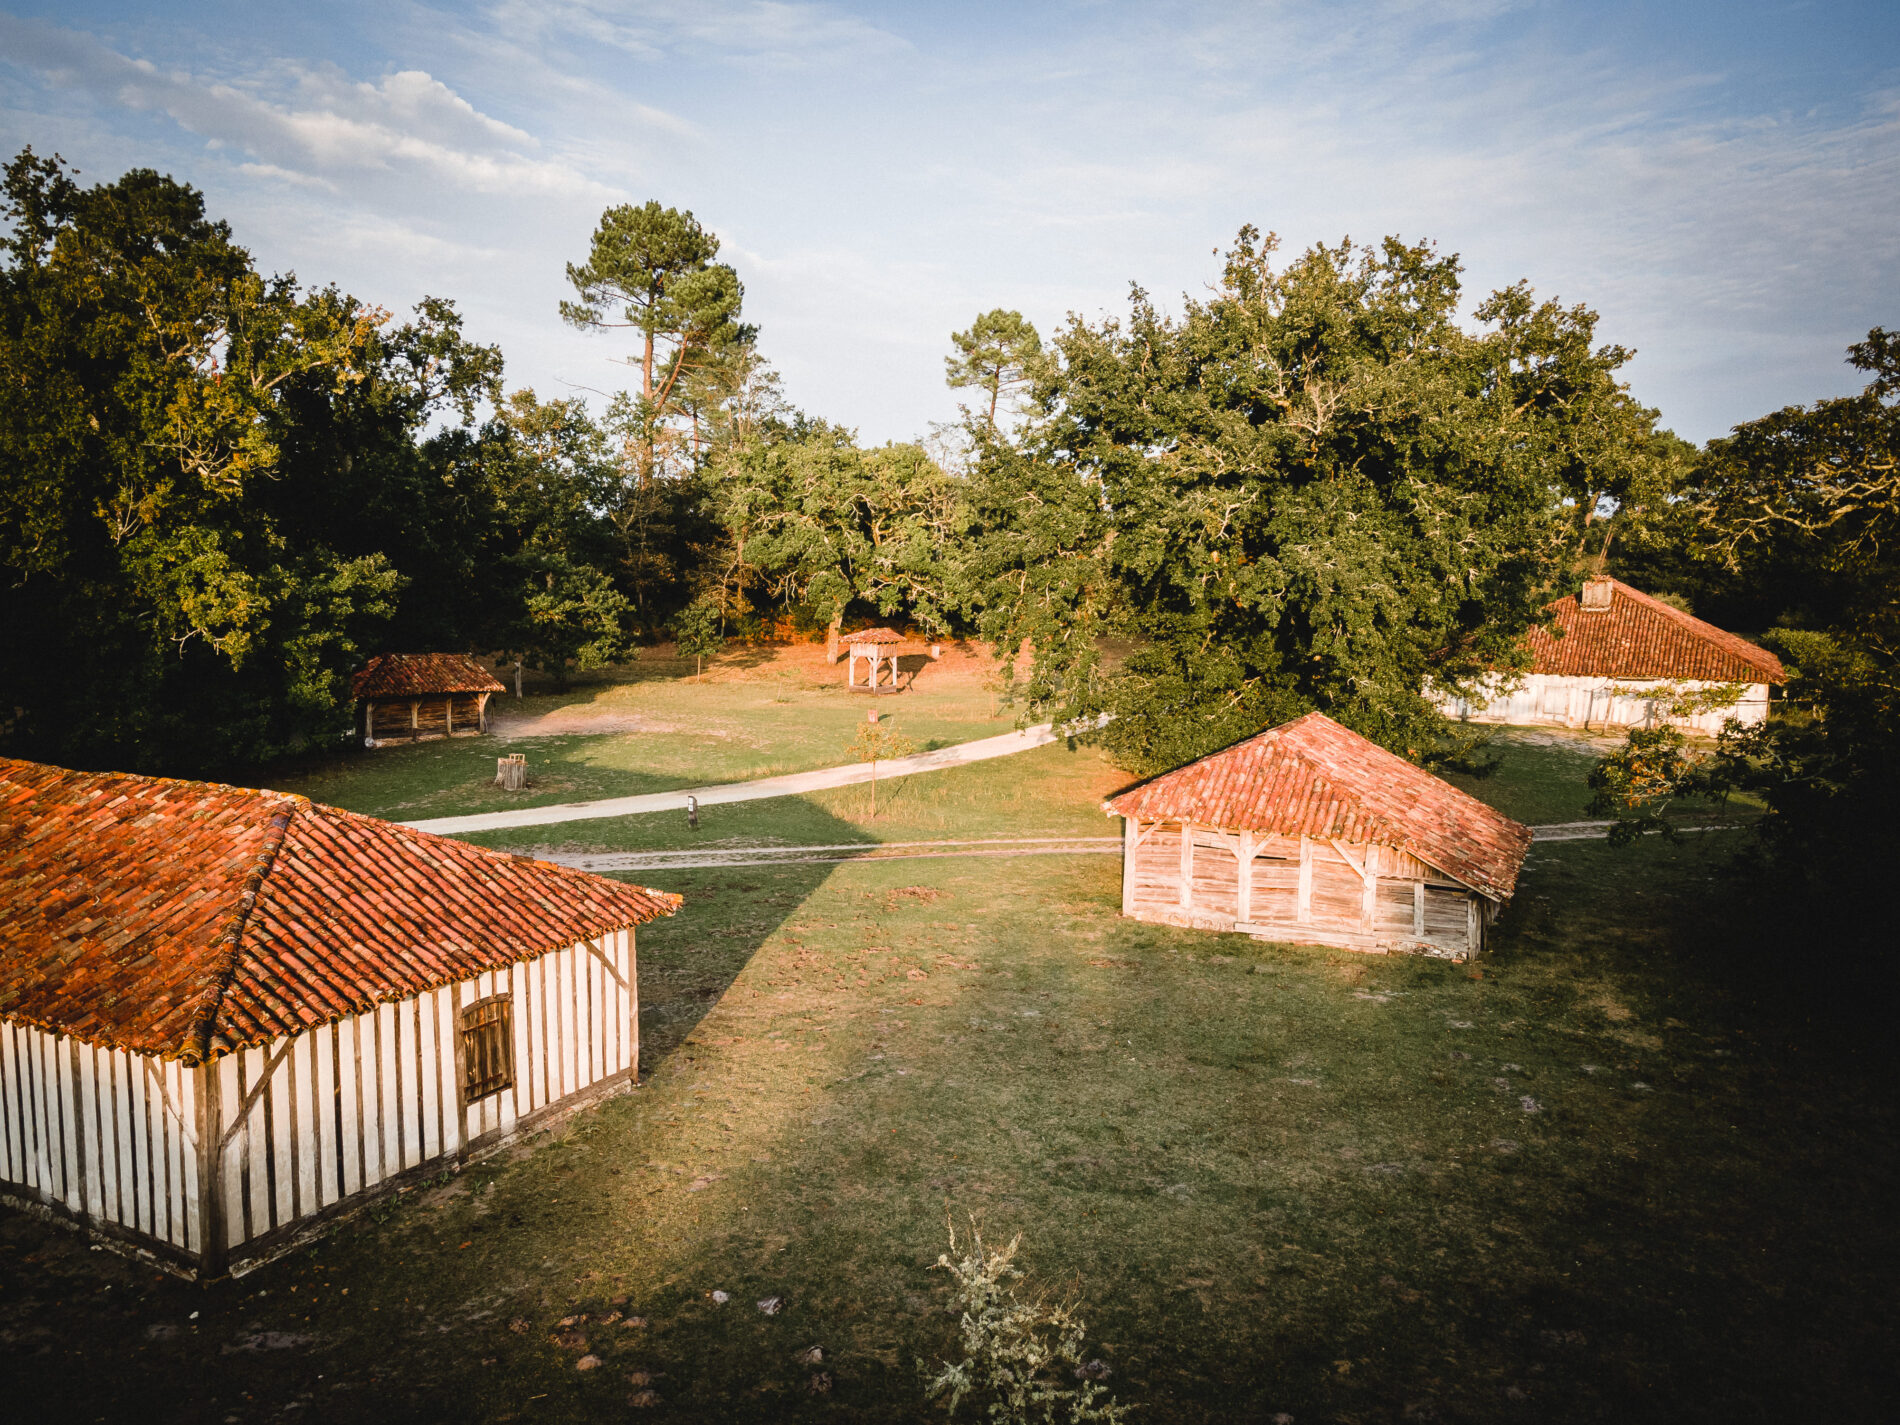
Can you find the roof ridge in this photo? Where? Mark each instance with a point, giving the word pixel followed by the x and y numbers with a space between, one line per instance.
pixel 197 1047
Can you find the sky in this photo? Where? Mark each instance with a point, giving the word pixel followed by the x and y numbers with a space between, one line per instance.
pixel 1720 181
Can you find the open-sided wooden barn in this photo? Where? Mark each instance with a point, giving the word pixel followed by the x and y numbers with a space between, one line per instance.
pixel 1311 834
pixel 226 1015
pixel 412 697
pixel 1617 658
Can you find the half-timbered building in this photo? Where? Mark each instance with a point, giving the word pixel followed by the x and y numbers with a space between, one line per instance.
pixel 1615 657
pixel 1310 834
pixel 227 1015
pixel 413 697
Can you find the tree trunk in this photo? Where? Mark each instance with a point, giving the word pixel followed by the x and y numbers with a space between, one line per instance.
pixel 831 637
pixel 517 680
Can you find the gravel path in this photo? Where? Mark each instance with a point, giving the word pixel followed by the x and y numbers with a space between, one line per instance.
pixel 1004 745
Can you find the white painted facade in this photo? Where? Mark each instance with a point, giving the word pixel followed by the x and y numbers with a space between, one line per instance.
pixel 1556 700
pixel 220 1166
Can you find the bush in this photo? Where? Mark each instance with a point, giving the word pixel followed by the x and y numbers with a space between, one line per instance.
pixel 1018 1355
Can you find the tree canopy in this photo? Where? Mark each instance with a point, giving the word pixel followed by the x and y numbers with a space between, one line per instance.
pixel 1314 489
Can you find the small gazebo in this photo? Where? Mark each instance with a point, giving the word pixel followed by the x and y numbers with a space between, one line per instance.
pixel 877 647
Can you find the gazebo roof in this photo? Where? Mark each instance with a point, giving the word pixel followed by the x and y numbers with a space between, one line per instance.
pixel 873 635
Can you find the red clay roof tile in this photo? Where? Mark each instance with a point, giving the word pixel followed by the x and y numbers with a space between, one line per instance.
pixel 187 919
pixel 1641 637
pixel 1312 777
pixel 409 675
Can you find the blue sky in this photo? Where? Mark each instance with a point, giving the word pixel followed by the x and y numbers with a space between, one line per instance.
pixel 1721 181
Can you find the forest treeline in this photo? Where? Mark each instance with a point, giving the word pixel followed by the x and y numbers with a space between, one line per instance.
pixel 1316 486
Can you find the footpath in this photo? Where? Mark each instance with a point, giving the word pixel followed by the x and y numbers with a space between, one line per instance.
pixel 1003 745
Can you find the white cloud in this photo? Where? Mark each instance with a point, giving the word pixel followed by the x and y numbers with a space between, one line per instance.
pixel 332 129
pixel 770 33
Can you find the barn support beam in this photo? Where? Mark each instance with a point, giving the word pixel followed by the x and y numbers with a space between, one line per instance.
pixel 1303 906
pixel 1187 866
pixel 1131 842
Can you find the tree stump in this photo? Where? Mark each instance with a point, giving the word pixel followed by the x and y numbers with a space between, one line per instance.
pixel 511 773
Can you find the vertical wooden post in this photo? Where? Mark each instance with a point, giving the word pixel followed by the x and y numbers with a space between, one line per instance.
pixel 415 719
pixel 633 995
pixel 1245 904
pixel 1129 850
pixel 1187 866
pixel 1418 910
pixel 211 1229
pixel 1369 909
pixel 1303 906
pixel 481 711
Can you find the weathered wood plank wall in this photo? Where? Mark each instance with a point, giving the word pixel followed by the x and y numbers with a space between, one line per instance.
pixel 1308 887
pixel 101 1134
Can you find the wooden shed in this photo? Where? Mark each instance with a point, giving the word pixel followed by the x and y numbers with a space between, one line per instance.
pixel 228 1015
pixel 1618 658
pixel 878 648
pixel 412 697
pixel 1309 833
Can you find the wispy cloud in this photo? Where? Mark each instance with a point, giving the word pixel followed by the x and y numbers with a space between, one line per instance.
pixel 326 128
pixel 771 33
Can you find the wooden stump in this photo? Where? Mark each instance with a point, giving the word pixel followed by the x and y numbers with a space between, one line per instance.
pixel 511 773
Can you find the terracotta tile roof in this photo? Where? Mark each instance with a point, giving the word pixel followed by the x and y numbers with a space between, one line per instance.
pixel 873 635
pixel 1641 637
pixel 187 919
pixel 409 675
pixel 1312 777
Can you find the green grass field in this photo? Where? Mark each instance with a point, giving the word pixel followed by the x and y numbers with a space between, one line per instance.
pixel 1590 1179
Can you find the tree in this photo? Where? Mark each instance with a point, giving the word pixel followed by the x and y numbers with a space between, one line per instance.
pixel 1000 355
pixel 819 521
pixel 1804 501
pixel 187 580
pixel 877 741
pixel 697 633
pixel 568 615
pixel 1313 490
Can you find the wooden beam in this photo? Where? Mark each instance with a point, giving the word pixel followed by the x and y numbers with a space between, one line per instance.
pixel 1131 843
pixel 1243 908
pixel 1187 866
pixel 1303 907
pixel 1418 910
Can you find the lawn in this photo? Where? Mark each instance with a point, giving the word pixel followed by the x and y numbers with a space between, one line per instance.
pixel 650 727
pixel 1592 1178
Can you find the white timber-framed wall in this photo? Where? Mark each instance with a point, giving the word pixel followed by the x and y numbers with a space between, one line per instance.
pixel 1562 700
pixel 218 1167
pixel 1302 889
pixel 881 661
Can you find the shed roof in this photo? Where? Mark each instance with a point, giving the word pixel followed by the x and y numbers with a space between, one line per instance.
pixel 874 635
pixel 1637 636
pixel 1312 777
pixel 410 675
pixel 188 919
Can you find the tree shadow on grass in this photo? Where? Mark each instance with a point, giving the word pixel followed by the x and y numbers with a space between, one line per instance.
pixel 689 961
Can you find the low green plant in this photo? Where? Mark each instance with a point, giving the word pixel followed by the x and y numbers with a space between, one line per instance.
pixel 1018 1355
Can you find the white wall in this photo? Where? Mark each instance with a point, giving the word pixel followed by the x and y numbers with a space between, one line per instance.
pixel 301 1124
pixel 105 1134
pixel 310 1121
pixel 1548 699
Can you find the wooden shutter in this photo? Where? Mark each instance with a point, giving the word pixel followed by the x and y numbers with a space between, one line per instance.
pixel 488 1047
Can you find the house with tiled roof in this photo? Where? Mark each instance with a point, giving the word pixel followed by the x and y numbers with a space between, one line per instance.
pixel 227 1015
pixel 1310 834
pixel 414 697
pixel 1613 656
